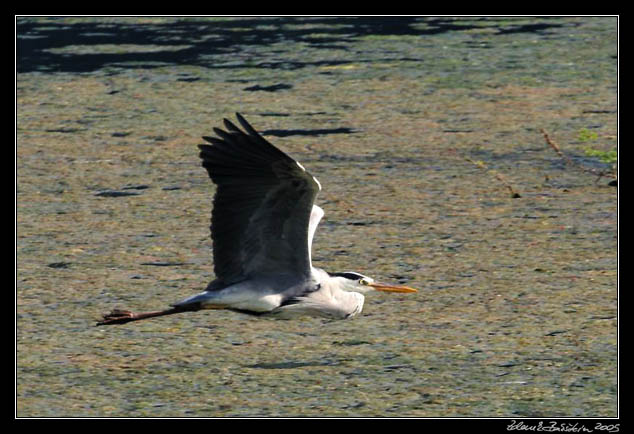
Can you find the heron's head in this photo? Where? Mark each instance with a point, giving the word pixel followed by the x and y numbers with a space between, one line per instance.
pixel 353 281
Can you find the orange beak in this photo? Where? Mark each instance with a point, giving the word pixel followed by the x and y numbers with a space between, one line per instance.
pixel 391 288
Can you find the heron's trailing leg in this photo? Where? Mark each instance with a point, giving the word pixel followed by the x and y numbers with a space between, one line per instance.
pixel 118 316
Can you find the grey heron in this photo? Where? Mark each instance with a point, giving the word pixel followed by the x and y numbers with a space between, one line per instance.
pixel 262 227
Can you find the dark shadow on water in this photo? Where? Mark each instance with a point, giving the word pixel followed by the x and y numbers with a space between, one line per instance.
pixel 315 132
pixel 272 88
pixel 59 46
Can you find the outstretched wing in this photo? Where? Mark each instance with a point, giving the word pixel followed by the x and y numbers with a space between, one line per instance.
pixel 262 207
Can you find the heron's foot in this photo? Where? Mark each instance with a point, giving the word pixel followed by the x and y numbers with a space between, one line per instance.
pixel 117 316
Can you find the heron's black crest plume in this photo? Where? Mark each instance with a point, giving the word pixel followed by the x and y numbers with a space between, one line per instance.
pixel 351 275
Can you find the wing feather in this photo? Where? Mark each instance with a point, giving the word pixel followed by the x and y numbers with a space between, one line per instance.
pixel 262 206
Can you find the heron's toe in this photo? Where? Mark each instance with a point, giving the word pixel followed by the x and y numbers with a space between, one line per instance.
pixel 116 316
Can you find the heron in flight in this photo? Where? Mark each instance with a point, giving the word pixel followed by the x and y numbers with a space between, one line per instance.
pixel 262 227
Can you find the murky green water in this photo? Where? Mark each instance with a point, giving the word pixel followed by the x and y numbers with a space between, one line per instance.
pixel 516 314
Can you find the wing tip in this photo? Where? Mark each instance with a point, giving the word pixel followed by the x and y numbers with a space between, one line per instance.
pixel 230 126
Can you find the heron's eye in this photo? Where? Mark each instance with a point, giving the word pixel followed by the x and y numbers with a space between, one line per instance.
pixel 364 281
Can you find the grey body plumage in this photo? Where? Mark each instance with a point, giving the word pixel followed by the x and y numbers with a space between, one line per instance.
pixel 262 225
